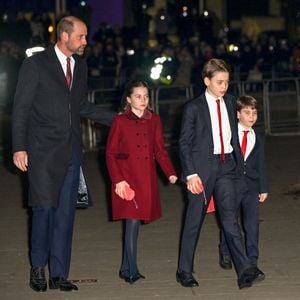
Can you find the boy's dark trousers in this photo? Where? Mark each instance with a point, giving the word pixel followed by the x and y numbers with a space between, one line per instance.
pixel 248 210
pixel 220 184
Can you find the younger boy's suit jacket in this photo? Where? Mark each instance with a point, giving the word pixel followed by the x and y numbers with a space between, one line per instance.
pixel 253 169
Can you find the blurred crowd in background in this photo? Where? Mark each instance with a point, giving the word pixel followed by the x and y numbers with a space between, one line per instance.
pixel 180 47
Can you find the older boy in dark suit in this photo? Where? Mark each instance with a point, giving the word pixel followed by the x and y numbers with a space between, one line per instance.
pixel 253 174
pixel 208 143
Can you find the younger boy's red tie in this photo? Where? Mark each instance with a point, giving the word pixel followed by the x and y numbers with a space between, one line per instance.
pixel 244 142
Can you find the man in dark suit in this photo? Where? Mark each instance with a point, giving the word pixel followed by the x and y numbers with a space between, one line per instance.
pixel 252 184
pixel 50 99
pixel 208 142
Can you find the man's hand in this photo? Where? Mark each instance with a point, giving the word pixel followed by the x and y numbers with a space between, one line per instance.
pixel 262 197
pixel 20 159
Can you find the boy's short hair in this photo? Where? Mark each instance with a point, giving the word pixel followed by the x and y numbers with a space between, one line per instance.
pixel 246 101
pixel 214 65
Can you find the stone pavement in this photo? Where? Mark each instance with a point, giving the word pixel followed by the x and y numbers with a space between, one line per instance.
pixel 97 242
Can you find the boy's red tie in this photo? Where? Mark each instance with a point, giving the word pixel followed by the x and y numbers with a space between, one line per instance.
pixel 244 142
pixel 220 130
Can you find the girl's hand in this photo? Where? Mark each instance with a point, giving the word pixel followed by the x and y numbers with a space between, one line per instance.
pixel 173 179
pixel 120 188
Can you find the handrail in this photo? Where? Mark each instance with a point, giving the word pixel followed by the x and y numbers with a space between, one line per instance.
pixel 265 92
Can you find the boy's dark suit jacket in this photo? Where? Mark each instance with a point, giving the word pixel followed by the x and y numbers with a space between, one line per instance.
pixel 253 170
pixel 46 121
pixel 196 139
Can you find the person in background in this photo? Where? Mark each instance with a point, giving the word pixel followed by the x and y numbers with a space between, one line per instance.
pixel 50 99
pixel 253 173
pixel 135 142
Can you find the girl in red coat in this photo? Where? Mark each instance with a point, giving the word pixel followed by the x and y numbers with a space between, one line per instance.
pixel 135 142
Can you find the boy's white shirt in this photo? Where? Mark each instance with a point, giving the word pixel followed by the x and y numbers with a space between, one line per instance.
pixel 251 138
pixel 226 130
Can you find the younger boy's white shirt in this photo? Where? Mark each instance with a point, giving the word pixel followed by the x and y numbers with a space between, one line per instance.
pixel 251 138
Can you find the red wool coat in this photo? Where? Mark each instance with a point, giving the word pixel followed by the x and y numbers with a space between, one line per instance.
pixel 132 148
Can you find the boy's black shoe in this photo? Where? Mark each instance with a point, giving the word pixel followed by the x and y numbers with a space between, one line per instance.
pixel 250 276
pixel 186 279
pixel 225 261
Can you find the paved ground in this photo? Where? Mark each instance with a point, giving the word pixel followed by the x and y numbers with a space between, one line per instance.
pixel 97 242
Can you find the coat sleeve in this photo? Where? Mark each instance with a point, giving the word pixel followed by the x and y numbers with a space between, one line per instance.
pixel 187 136
pixel 24 96
pixel 231 110
pixel 98 114
pixel 263 180
pixel 112 150
pixel 92 111
pixel 160 152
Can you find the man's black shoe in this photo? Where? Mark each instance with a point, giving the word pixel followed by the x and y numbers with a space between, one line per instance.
pixel 62 284
pixel 38 279
pixel 186 279
pixel 225 261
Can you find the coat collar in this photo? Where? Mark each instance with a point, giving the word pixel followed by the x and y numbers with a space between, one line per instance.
pixel 131 116
pixel 54 61
pixel 55 65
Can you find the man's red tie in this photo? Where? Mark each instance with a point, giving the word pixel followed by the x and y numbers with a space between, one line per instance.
pixel 244 142
pixel 69 73
pixel 220 130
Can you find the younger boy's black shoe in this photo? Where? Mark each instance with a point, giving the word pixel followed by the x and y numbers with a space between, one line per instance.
pixel 225 261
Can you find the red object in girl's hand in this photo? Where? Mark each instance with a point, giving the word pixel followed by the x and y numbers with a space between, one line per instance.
pixel 129 193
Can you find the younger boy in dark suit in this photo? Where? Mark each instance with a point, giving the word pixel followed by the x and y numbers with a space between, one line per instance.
pixel 252 187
